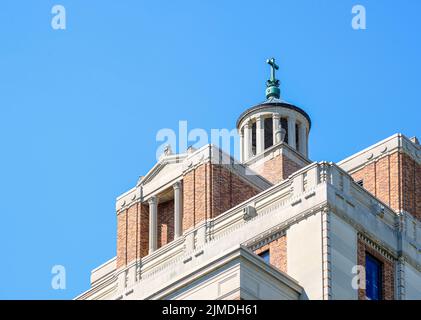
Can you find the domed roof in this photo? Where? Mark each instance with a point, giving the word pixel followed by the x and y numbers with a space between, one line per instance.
pixel 273 102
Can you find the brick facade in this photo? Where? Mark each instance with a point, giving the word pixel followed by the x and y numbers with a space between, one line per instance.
pixel 165 223
pixel 395 179
pixel 122 239
pixel 210 190
pixel 277 169
pixel 278 253
pixel 388 270
pixel 132 234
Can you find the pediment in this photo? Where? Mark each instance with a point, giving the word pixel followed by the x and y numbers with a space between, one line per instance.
pixel 165 172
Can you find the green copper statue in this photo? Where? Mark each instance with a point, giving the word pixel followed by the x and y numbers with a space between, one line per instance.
pixel 272 85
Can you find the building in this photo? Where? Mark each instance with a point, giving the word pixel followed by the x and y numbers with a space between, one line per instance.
pixel 274 225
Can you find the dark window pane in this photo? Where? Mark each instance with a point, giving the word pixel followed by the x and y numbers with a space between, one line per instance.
pixel 268 133
pixel 265 255
pixel 284 125
pixel 373 269
pixel 253 138
pixel 297 136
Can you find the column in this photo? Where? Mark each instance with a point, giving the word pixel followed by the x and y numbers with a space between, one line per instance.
pixel 291 132
pixel 247 140
pixel 276 117
pixel 303 139
pixel 153 224
pixel 178 210
pixel 260 135
pixel 241 146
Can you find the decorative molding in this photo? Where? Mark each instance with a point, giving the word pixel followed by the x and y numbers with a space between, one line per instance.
pixel 396 143
pixel 326 254
pixel 273 106
pixel 375 244
pixel 400 273
pixel 265 239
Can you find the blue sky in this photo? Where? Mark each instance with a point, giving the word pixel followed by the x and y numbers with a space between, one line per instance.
pixel 80 108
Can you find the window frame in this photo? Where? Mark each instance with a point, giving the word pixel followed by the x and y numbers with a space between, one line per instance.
pixel 373 261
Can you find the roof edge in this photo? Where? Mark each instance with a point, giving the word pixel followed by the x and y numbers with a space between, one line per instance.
pixel 272 102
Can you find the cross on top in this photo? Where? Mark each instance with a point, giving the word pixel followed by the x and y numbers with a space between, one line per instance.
pixel 272 85
pixel 273 67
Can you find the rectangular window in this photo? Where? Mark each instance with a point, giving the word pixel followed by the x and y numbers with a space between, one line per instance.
pixel 253 139
pixel 265 255
pixel 373 278
pixel 268 132
pixel 284 125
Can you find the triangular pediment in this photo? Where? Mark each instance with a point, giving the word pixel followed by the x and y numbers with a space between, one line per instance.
pixel 167 170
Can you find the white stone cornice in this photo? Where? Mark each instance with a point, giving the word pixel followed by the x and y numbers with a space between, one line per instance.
pixel 168 159
pixel 128 198
pixel 378 246
pixel 265 238
pixel 281 148
pixel 397 142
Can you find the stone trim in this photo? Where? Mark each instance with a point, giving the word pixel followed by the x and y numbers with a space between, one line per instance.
pixel 272 103
pixel 266 239
pixel 326 254
pixel 385 252
pixel 400 279
pixel 175 158
pixel 281 148
pixel 397 142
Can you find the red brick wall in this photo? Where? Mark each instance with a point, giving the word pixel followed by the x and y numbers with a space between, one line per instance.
pixel 395 186
pixel 409 181
pixel 278 253
pixel 144 230
pixel 228 190
pixel 396 180
pixel 201 196
pixel 289 167
pixel 121 239
pixel 188 199
pixel 210 190
pixel 165 223
pixel 132 234
pixel 388 272
pixel 277 169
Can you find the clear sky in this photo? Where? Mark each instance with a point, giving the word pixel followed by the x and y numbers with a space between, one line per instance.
pixel 80 107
